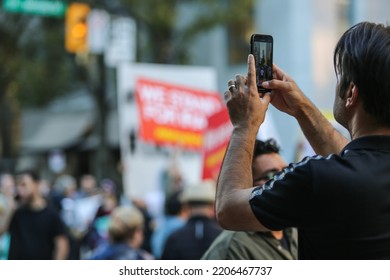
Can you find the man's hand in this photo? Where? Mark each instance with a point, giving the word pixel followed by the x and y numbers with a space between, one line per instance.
pixel 246 109
pixel 286 95
pixel 61 247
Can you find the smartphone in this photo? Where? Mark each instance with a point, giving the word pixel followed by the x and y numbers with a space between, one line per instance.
pixel 262 49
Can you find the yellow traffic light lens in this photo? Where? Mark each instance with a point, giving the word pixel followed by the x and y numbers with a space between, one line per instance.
pixel 79 31
pixel 76 28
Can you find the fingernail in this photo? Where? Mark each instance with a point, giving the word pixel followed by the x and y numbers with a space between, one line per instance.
pixel 249 57
pixel 265 84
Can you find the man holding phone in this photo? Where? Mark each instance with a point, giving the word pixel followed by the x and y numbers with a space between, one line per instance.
pixel 339 203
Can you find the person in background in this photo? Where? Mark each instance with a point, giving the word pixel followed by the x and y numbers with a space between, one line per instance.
pixel 7 193
pixel 176 216
pixel 251 245
pixel 110 198
pixel 63 199
pixel 88 198
pixel 37 231
pixel 192 240
pixel 7 205
pixel 125 236
pixel 149 223
pixel 149 220
pixel 98 232
pixel 88 186
pixel 7 187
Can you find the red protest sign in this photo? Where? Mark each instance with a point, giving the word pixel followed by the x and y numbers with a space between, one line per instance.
pixel 174 115
pixel 217 138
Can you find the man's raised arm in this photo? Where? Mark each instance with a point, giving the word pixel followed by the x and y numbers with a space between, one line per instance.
pixel 234 186
pixel 287 97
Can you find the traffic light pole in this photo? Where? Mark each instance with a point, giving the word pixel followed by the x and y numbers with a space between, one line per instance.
pixel 91 45
pixel 93 65
pixel 97 82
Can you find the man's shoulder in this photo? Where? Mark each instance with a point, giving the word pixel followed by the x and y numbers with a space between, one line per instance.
pixel 218 250
pixel 250 239
pixel 233 239
pixel 47 212
pixel 314 159
pixel 240 245
pixel 22 211
pixel 227 236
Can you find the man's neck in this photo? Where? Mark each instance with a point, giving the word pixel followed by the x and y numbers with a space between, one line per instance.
pixel 277 234
pixel 363 124
pixel 37 203
pixel 360 132
pixel 201 211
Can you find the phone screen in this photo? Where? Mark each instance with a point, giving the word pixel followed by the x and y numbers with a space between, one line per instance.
pixel 262 49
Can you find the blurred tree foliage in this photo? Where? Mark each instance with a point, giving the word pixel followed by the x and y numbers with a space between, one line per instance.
pixel 35 68
pixel 33 61
pixel 169 43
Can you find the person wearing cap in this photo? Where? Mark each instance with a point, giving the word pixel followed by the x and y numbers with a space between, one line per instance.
pixel 126 235
pixel 192 240
pixel 256 245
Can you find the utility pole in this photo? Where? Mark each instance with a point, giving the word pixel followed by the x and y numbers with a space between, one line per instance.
pixel 91 60
pixel 110 39
pixel 97 83
pixel 5 133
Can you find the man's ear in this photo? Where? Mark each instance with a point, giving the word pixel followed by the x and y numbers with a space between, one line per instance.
pixel 352 95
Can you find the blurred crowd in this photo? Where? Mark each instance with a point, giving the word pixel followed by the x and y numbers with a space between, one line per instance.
pixel 85 218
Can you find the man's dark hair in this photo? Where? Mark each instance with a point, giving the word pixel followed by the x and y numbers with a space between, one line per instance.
pixel 32 173
pixel 265 147
pixel 173 205
pixel 362 56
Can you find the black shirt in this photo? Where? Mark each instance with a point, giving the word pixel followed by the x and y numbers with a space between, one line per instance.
pixel 192 240
pixel 340 204
pixel 33 233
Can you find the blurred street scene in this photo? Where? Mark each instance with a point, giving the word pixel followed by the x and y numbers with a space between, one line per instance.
pixel 119 103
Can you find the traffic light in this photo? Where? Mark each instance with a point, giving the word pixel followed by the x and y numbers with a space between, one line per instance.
pixel 76 28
